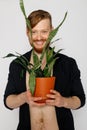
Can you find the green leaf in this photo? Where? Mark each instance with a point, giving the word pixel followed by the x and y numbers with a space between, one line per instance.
pixel 39 72
pixel 46 72
pixel 55 40
pixel 54 32
pixel 57 53
pixel 24 13
pixel 22 8
pixel 32 78
pixel 9 55
pixel 35 59
pixel 29 26
pixel 50 66
pixel 23 57
pixel 51 36
pixel 49 54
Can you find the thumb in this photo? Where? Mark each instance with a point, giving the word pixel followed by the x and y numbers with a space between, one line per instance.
pixel 28 93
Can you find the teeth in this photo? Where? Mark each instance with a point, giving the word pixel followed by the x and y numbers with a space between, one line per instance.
pixel 39 43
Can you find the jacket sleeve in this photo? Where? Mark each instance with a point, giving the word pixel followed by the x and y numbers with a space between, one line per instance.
pixel 10 87
pixel 76 84
pixel 16 83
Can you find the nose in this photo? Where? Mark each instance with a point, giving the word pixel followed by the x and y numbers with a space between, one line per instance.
pixel 39 36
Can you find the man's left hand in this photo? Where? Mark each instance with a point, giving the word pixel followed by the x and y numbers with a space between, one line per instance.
pixel 55 99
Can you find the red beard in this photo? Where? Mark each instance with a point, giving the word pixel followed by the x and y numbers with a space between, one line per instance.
pixel 36 48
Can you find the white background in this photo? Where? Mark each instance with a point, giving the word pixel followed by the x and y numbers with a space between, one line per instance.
pixel 13 38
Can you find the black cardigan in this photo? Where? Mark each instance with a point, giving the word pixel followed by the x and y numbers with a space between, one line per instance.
pixel 68 83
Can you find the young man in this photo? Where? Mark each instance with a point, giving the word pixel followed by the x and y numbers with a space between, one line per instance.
pixel 68 94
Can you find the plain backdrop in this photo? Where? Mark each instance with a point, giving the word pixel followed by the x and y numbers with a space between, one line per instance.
pixel 13 39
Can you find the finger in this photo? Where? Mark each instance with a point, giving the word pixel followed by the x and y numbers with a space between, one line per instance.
pixel 37 98
pixel 51 96
pixel 50 102
pixel 55 92
pixel 29 93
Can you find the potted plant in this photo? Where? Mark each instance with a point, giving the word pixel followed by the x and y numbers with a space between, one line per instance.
pixel 35 70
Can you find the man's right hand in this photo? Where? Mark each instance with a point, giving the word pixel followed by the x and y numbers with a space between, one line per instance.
pixel 32 101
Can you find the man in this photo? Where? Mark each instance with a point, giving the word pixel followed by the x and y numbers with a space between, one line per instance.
pixel 68 94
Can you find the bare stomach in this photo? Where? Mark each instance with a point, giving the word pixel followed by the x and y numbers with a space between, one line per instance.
pixel 43 118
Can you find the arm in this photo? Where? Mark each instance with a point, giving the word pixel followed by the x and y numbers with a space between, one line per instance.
pixel 15 96
pixel 15 101
pixel 76 96
pixel 60 101
pixel 72 102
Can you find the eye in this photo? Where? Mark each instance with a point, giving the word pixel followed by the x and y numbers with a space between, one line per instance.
pixel 45 31
pixel 33 32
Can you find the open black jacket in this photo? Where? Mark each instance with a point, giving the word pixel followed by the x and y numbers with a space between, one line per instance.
pixel 68 83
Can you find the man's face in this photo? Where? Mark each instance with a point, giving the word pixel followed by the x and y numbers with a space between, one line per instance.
pixel 40 34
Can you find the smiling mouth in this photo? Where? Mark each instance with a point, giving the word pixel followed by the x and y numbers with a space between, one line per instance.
pixel 39 42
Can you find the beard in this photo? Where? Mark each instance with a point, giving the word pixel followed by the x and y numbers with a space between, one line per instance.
pixel 39 47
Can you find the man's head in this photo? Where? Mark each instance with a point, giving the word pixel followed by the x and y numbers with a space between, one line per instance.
pixel 41 25
pixel 36 16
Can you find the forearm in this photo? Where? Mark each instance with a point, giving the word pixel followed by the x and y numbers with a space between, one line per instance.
pixel 72 102
pixel 14 101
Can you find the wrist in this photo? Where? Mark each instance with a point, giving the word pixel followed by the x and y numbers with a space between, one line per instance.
pixel 72 102
pixel 65 104
pixel 22 97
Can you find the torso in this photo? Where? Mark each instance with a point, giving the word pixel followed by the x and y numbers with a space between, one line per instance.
pixel 42 118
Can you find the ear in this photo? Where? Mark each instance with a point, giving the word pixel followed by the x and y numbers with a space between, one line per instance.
pixel 27 32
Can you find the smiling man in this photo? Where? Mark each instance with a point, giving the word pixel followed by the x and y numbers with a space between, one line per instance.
pixel 55 113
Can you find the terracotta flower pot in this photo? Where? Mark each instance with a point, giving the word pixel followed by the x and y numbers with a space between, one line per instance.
pixel 43 87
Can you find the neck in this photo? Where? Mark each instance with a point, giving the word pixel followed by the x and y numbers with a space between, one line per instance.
pixel 38 54
pixel 43 63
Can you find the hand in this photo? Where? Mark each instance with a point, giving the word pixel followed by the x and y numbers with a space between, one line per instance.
pixel 32 100
pixel 55 99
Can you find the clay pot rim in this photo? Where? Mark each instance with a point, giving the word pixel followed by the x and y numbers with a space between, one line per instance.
pixel 45 77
